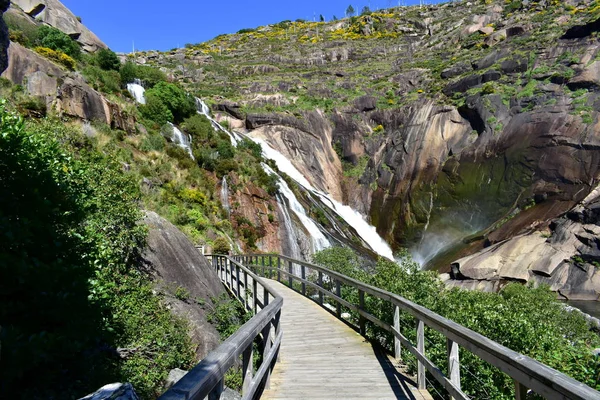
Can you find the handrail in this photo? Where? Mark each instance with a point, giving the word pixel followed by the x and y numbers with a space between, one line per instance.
pixel 207 378
pixel 526 372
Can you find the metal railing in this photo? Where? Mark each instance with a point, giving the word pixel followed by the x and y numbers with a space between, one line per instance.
pixel 526 372
pixel 208 377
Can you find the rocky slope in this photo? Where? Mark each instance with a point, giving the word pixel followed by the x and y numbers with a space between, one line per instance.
pixel 458 126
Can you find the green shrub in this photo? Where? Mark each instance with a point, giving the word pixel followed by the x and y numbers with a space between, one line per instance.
pixel 56 40
pixel 527 320
pixel 102 80
pixel 128 72
pixel 221 246
pixel 153 142
pixel 155 110
pixel 199 127
pixel 108 60
pixel 71 293
pixel 179 103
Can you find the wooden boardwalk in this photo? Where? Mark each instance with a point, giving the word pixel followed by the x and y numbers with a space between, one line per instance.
pixel 323 358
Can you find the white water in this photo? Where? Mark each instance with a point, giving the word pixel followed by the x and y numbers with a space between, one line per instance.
pixel 137 91
pixel 319 241
pixel 182 140
pixel 294 247
pixel 366 231
pixel 203 109
pixel 225 196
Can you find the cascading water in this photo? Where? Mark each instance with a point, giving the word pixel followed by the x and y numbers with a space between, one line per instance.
pixel 203 109
pixel 182 140
pixel 319 241
pixel 366 231
pixel 294 250
pixel 137 91
pixel 225 196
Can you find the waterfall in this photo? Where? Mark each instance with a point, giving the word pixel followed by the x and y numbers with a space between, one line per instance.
pixel 365 230
pixel 225 196
pixel 203 109
pixel 137 91
pixel 290 232
pixel 319 241
pixel 182 140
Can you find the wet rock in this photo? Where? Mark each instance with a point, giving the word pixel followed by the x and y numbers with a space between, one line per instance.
pixel 231 108
pixel 114 391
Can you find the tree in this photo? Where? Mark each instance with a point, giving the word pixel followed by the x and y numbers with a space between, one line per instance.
pixel 365 11
pixel 156 110
pixel 108 60
pixel 321 18
pixel 350 11
pixel 56 40
pixel 128 72
pixel 221 246
pixel 178 102
pixel 335 18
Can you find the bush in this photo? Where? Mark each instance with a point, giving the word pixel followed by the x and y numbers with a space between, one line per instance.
pixel 221 246
pixel 58 56
pixel 179 103
pixel 71 293
pixel 199 127
pixel 56 40
pixel 527 320
pixel 128 72
pixel 108 60
pixel 155 110
pixel 102 80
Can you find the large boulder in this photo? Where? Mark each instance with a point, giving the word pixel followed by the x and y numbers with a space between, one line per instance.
pixel 77 99
pixel 54 13
pixel 365 103
pixel 177 264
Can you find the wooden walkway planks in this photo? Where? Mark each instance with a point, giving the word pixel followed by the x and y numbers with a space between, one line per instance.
pixel 323 358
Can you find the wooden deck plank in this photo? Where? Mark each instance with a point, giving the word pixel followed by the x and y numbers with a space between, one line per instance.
pixel 323 358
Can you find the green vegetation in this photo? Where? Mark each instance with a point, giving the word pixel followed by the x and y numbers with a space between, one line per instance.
pixel 168 102
pixel 56 40
pixel 108 60
pixel 528 320
pixel 71 291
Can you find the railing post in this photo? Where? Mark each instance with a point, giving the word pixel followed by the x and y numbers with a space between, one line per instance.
pixel 247 368
pixel 237 281
pixel 520 391
pixel 262 262
pixel 266 333
pixel 217 391
pixel 270 266
pixel 361 307
pixel 303 275
pixel 421 348
pixel 230 268
pixel 453 364
pixel 320 283
pixel 254 295
pixel 246 291
pixel 278 269
pixel 290 280
pixel 265 297
pixel 338 293
pixel 397 344
pixel 277 326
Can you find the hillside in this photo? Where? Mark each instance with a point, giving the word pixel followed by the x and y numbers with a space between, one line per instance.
pixel 463 124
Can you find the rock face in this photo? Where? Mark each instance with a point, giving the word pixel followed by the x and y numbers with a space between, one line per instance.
pixel 565 256
pixel 54 13
pixel 63 91
pixel 176 263
pixel 307 144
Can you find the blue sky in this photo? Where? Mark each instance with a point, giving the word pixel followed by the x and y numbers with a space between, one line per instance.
pixel 163 25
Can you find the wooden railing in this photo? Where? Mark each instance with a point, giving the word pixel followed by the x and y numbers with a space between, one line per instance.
pixel 525 371
pixel 207 378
